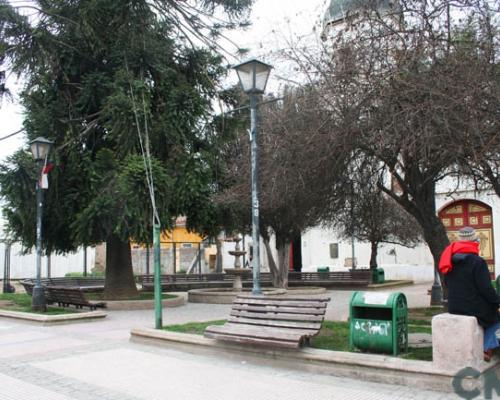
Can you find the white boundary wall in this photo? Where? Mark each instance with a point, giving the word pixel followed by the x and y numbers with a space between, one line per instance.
pixel 399 262
pixel 24 266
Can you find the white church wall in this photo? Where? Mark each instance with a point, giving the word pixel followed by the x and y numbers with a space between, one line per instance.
pixel 399 262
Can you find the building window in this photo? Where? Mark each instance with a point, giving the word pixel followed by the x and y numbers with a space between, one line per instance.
pixel 334 250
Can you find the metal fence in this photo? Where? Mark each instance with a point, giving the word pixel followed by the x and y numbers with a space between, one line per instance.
pixel 175 257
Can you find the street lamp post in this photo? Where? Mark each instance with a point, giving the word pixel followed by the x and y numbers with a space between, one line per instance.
pixel 40 148
pixel 253 75
pixel 436 290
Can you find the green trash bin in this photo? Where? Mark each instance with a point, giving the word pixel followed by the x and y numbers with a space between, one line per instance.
pixel 378 322
pixel 324 272
pixel 378 275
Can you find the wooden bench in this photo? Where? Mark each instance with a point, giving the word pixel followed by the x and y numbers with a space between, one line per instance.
pixel 66 296
pixel 87 284
pixel 276 321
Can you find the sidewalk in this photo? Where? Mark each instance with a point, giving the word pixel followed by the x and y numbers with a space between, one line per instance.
pixel 95 360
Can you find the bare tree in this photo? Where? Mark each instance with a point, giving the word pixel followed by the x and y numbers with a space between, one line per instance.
pixel 297 162
pixel 368 214
pixel 398 87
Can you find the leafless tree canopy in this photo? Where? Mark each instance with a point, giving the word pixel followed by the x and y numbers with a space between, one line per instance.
pixel 413 90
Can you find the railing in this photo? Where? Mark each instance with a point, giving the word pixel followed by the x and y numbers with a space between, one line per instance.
pixel 174 257
pixel 179 281
pixel 360 276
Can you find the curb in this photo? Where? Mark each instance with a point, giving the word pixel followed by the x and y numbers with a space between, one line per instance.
pixel 390 284
pixel 369 367
pixel 54 319
pixel 143 304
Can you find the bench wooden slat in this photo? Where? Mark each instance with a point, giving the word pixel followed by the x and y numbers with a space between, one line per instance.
pixel 319 299
pixel 255 341
pixel 281 317
pixel 278 309
pixel 285 324
pixel 282 303
pixel 260 332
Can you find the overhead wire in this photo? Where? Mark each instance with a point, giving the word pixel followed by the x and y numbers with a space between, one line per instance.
pixel 11 134
pixel 146 155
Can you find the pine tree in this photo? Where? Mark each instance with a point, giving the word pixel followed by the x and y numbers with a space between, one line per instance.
pixel 98 74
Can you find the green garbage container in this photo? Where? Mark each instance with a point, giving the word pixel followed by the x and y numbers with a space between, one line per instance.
pixel 378 322
pixel 324 272
pixel 323 269
pixel 378 275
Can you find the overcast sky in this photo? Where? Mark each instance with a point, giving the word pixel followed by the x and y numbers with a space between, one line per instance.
pixel 274 24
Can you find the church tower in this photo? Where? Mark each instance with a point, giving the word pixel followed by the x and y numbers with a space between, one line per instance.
pixel 343 14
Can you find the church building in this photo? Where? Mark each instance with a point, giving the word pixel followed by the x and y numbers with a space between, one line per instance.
pixel 458 204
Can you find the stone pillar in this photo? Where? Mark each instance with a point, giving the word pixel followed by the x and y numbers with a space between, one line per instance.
pixel 457 342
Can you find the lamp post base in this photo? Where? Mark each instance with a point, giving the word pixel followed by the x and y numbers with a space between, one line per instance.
pixel 38 301
pixel 436 295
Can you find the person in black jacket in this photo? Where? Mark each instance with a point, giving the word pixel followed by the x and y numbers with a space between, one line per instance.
pixel 469 287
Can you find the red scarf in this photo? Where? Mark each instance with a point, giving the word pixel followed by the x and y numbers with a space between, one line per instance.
pixel 445 264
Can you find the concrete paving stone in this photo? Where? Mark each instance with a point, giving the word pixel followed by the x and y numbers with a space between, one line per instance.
pixel 62 385
pixel 16 389
pixel 37 347
pixel 151 376
pixel 24 337
pixel 96 361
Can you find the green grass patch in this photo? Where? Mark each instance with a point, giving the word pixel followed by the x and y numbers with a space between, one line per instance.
pixel 97 274
pixel 428 312
pixel 141 296
pixel 419 329
pixel 50 310
pixel 22 303
pixel 333 336
pixel 418 353
pixel 193 327
pixel 19 299
pixel 422 322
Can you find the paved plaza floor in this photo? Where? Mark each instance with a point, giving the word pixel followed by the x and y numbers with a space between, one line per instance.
pixel 96 361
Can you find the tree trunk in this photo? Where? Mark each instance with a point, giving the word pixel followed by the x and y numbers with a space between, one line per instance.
pixel 281 279
pixel 437 240
pixel 119 283
pixel 373 256
pixel 492 178
pixel 273 269
pixel 423 208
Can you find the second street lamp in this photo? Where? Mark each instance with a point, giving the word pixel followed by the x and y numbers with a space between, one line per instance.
pixel 253 75
pixel 40 148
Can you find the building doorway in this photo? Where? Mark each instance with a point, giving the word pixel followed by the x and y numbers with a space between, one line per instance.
pixel 476 214
pixel 296 255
